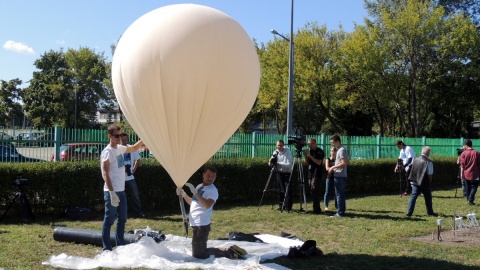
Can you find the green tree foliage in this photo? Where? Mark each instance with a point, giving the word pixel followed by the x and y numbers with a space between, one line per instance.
pixel 10 109
pixel 75 81
pixel 470 8
pixel 408 53
pixel 272 96
pixel 315 79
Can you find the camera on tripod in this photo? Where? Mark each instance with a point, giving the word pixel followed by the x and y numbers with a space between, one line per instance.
pixel 400 163
pixel 298 141
pixel 20 194
pixel 274 159
pixel 19 181
pixel 128 169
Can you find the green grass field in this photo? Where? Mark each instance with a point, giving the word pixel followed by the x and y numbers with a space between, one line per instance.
pixel 375 234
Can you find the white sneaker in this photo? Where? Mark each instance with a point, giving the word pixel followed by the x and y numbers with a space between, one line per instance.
pixel 336 216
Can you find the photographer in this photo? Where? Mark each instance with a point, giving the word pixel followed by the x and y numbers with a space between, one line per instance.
pixel 470 170
pixel 406 155
pixel 282 160
pixel 314 159
pixel 132 160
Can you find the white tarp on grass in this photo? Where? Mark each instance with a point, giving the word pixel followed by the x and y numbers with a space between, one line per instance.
pixel 175 252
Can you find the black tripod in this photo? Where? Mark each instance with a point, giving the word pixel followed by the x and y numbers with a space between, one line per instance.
pixel 459 181
pixel 400 181
pixel 27 215
pixel 301 181
pixel 274 169
pixel 399 171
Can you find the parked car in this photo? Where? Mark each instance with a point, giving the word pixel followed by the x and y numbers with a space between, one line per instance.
pixel 80 151
pixel 45 139
pixel 4 136
pixel 28 135
pixel 9 153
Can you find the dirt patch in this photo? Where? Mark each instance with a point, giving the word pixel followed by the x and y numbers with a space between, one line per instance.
pixel 466 238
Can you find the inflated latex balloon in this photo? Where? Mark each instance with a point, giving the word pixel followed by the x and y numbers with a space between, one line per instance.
pixel 185 76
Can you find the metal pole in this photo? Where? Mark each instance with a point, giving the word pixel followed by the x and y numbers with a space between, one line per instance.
pixel 75 114
pixel 290 80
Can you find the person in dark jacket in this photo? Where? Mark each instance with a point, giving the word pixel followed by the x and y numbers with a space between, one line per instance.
pixel 421 178
pixel 314 160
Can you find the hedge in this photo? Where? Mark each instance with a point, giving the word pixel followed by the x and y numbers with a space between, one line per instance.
pixel 54 185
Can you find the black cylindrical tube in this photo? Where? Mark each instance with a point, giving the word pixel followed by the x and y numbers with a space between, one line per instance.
pixel 90 237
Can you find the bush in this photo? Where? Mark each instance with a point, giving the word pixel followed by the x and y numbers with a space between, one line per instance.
pixel 54 185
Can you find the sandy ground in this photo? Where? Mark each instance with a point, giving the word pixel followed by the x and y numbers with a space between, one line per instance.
pixel 468 237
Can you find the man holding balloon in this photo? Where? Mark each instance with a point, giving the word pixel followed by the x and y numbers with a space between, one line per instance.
pixel 113 173
pixel 201 209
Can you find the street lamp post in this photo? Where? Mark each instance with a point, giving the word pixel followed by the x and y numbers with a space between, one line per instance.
pixel 75 114
pixel 290 75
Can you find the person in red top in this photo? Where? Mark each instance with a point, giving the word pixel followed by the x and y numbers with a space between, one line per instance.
pixel 470 170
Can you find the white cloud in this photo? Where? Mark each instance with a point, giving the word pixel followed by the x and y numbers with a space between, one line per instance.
pixel 18 47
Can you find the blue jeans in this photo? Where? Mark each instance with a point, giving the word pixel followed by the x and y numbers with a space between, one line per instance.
pixel 471 188
pixel 329 191
pixel 134 197
pixel 340 184
pixel 112 213
pixel 427 195
pixel 464 188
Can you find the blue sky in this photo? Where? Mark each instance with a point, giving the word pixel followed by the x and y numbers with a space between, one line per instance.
pixel 29 28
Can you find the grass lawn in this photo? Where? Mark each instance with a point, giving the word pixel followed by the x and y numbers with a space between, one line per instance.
pixel 374 235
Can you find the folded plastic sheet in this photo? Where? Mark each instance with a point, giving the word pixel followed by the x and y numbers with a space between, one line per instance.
pixel 175 252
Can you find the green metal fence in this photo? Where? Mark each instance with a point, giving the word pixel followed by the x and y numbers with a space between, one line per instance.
pixel 44 143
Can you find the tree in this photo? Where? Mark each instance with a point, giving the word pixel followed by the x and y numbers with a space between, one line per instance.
pixel 315 79
pixel 470 8
pixel 91 78
pixel 68 86
pixel 272 96
pixel 416 46
pixel 10 109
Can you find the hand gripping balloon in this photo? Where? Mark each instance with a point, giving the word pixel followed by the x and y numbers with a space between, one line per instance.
pixel 185 76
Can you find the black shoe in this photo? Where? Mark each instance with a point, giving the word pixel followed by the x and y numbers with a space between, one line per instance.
pixel 433 215
pixel 236 253
pixel 471 203
pixel 409 215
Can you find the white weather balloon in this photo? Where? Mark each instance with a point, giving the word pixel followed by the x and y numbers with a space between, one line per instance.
pixel 185 76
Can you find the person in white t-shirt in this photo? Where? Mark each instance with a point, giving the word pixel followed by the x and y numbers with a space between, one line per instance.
pixel 406 155
pixel 132 160
pixel 113 173
pixel 201 203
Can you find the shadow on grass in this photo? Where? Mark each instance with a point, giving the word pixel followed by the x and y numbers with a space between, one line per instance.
pixel 359 261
